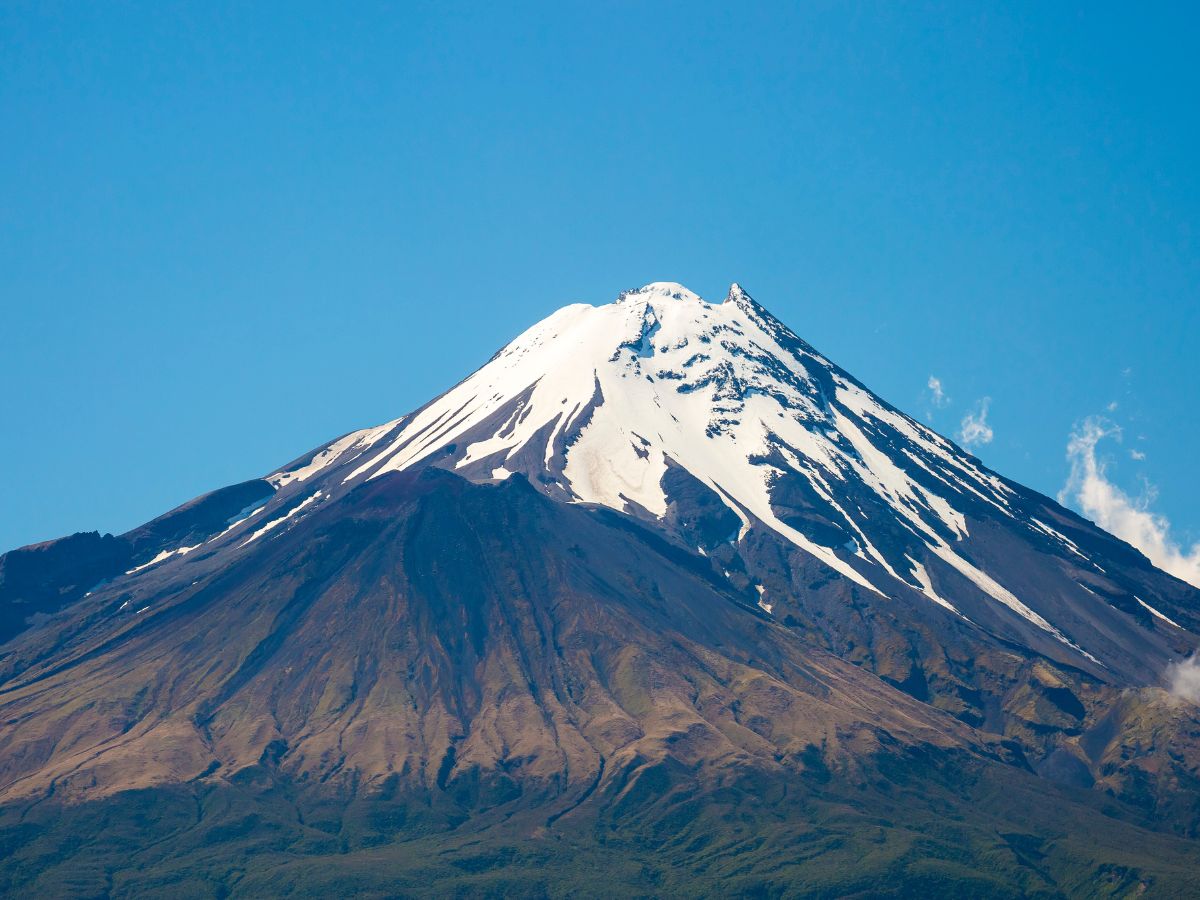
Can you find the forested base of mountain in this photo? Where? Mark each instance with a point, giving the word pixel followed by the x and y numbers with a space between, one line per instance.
pixel 916 824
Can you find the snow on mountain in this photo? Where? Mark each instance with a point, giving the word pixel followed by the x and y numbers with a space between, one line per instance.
pixel 649 547
pixel 594 403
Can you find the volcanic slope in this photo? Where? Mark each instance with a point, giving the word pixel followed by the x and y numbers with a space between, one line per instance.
pixel 658 577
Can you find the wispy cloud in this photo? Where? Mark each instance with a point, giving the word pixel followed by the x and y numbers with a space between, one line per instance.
pixel 975 430
pixel 937 395
pixel 1183 679
pixel 1090 491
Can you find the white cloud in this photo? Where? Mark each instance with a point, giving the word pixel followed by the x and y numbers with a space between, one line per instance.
pixel 975 430
pixel 936 393
pixel 1183 678
pixel 1090 491
pixel 1137 455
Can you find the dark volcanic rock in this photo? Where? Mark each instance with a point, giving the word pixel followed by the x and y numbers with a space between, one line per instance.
pixel 39 580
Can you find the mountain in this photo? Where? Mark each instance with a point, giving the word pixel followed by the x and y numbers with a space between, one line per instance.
pixel 659 600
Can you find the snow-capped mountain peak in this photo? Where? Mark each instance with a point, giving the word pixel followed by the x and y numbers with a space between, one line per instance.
pixel 669 290
pixel 596 404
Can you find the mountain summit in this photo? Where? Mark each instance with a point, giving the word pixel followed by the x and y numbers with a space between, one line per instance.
pixel 658 589
pixel 629 404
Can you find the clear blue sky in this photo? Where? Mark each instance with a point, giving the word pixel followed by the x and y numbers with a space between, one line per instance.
pixel 231 232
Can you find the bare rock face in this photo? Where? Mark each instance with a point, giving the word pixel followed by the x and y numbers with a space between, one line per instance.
pixel 659 575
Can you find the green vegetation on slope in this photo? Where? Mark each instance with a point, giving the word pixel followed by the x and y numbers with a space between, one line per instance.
pixel 916 825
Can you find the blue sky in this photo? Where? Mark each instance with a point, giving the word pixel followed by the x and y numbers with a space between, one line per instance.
pixel 230 233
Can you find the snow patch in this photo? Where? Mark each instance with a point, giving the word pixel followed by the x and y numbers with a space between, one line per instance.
pixel 766 607
pixel 275 523
pixel 922 576
pixel 1155 612
pixel 165 555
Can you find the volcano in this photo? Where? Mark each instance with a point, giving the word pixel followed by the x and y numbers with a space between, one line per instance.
pixel 658 601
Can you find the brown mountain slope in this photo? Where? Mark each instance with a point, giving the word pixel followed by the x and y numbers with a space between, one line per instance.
pixel 435 686
pixel 442 633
